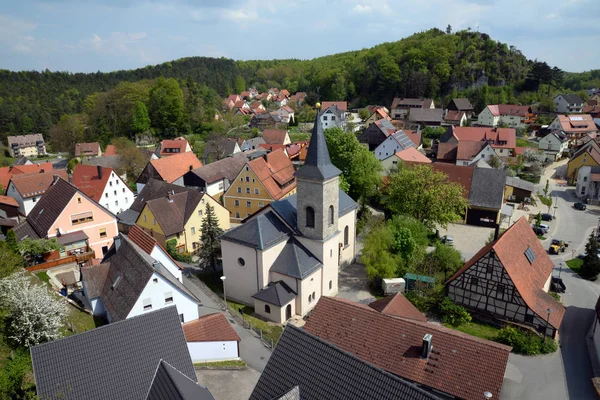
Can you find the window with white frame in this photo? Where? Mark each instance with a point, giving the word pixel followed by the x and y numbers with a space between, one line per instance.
pixel 147 304
pixel 168 298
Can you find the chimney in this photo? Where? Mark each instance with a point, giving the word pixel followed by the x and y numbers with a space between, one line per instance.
pixel 117 240
pixel 99 171
pixel 427 345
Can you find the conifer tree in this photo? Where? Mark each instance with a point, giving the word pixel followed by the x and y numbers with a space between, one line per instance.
pixel 210 250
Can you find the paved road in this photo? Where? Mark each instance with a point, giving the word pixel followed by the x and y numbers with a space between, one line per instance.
pixel 252 350
pixel 567 373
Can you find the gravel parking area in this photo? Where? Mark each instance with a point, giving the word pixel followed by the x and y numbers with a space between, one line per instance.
pixel 353 284
pixel 468 239
pixel 228 384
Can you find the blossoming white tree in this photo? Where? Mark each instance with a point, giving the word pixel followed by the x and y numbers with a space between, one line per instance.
pixel 35 314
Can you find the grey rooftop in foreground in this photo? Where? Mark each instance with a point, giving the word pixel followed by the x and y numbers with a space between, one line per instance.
pixel 116 361
pixel 323 371
pixel 170 384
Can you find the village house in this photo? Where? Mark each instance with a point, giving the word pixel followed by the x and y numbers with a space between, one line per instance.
pixel 348 377
pixel 411 349
pixel 281 100
pixel 168 147
pixel 216 177
pixel 285 257
pixel 26 145
pixel 461 105
pixel 568 103
pixel 28 189
pixel 257 105
pixel 179 217
pixel 465 152
pixel 394 143
pixel 508 280
pixel 574 126
pixel 298 97
pixel 104 186
pixel 589 155
pixel 169 169
pixel 510 115
pixel 587 186
pixel 554 145
pixel 518 190
pixel 88 150
pixel 401 107
pixel 265 121
pixel 211 338
pixel 9 210
pixel 151 349
pixel 333 114
pixel 129 282
pixel 409 154
pixel 261 181
pixel 286 113
pixel 276 136
pixel 502 140
pixel 252 144
pixel 377 113
pixel 155 250
pixel 6 173
pixel 457 118
pixel 423 117
pixel 64 209
pixel 376 133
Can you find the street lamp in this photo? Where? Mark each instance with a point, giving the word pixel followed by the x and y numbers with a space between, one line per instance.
pixel 547 322
pixel 559 269
pixel 555 207
pixel 487 395
pixel 224 293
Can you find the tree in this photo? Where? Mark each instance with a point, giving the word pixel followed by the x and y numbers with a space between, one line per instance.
pixel 444 260
pixel 34 314
pixel 360 168
pixel 449 29
pixel 425 194
pixel 166 106
pixel 240 84
pixel 140 120
pixel 68 131
pixel 16 381
pixel 591 261
pixel 364 114
pixel 10 261
pixel 132 160
pixel 31 249
pixel 210 244
pixel 376 254
pixel 547 188
pixel 495 162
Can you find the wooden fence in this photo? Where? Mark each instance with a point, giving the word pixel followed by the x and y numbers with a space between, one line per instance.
pixel 79 258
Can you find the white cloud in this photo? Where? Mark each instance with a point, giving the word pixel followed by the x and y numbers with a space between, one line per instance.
pixel 362 9
pixel 115 43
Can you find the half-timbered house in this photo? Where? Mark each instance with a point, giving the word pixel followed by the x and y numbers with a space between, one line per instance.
pixel 508 280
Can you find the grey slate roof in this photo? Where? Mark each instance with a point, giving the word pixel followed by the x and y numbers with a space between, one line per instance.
pixel 317 164
pixel 170 384
pixel 487 188
pixel 25 230
pixel 115 361
pixel 572 98
pixel 519 183
pixel 463 104
pixel 295 260
pixel 260 232
pixel 154 189
pixel 254 143
pixel 322 371
pixel 128 217
pixel 226 168
pixel 277 293
pixel 426 115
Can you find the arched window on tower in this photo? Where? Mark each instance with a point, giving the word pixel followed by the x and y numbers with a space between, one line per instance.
pixel 331 211
pixel 310 217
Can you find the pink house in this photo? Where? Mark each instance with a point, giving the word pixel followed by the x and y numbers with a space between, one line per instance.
pixel 65 212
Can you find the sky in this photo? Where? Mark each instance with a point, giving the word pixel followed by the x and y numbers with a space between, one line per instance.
pixel 108 35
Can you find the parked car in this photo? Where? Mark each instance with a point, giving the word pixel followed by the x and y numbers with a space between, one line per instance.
pixel 557 285
pixel 545 228
pixel 579 206
pixel 448 239
pixel 557 246
pixel 538 231
pixel 546 217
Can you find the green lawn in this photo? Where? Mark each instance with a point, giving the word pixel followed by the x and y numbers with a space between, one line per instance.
pixel 477 329
pixel 217 364
pixel 43 276
pixel 298 136
pixel 270 330
pixel 526 143
pixel 575 264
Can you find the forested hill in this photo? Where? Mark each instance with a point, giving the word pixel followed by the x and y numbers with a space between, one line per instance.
pixel 432 64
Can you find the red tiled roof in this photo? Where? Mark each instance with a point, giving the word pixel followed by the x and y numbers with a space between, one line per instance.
pixel 509 109
pixel 580 123
pixel 239 104
pixel 447 151
pixel 172 167
pixel 519 150
pixel 412 154
pixel 179 143
pixel 467 150
pixel 394 344
pixel 272 147
pixel 462 175
pixel 210 328
pixel 8 201
pixel 256 104
pixel 528 278
pixel 29 185
pixel 414 136
pixel 399 306
pixel 85 178
pixel 273 173
pixel 274 136
pixel 233 97
pixel 288 109
pixel 341 105
pixel 509 135
pixel 453 115
pixel 87 149
pixel 111 150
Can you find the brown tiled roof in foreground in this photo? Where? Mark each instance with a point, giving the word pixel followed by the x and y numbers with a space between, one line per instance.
pixel 529 279
pixel 210 328
pixel 394 345
pixel 399 306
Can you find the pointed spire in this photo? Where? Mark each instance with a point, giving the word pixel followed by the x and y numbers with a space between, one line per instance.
pixel 318 164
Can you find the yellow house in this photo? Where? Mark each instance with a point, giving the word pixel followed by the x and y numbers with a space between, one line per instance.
pixel 260 182
pixel 180 216
pixel 588 155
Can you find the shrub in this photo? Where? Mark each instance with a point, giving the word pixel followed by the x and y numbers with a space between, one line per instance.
pixel 525 343
pixel 427 299
pixel 453 314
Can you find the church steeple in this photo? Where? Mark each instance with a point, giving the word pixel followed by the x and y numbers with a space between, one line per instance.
pixel 317 189
pixel 318 165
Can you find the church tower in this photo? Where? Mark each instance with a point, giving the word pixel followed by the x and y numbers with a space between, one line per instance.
pixel 317 189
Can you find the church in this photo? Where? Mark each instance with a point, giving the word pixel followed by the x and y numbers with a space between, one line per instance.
pixel 288 254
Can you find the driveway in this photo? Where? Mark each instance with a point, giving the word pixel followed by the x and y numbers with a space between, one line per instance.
pixel 353 284
pixel 228 384
pixel 468 239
